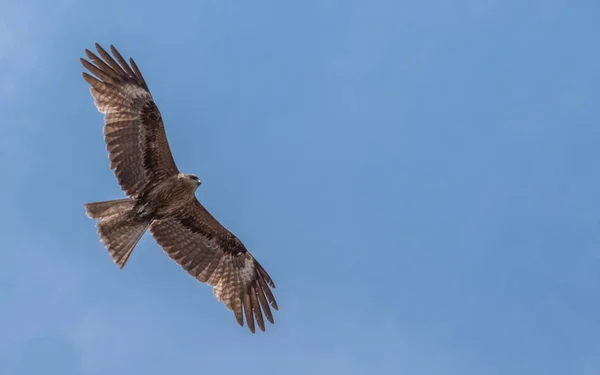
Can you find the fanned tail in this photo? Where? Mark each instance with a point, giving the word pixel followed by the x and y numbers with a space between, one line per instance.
pixel 119 227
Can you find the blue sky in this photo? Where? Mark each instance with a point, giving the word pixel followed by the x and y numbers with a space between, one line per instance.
pixel 419 178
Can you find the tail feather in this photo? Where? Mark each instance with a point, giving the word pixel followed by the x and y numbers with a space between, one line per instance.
pixel 120 229
pixel 103 210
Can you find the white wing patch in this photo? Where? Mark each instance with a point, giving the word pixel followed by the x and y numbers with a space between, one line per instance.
pixel 247 273
pixel 124 96
pixel 229 281
pixel 135 92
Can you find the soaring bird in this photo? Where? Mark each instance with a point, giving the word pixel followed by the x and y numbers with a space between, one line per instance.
pixel 161 198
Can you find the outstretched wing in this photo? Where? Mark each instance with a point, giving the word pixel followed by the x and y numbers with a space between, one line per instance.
pixel 133 127
pixel 213 255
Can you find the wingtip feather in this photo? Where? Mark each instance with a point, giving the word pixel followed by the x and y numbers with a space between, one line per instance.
pixel 248 312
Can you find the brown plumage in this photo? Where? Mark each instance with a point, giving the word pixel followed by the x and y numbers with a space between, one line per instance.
pixel 163 199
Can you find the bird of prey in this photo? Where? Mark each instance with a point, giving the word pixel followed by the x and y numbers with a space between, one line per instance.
pixel 163 199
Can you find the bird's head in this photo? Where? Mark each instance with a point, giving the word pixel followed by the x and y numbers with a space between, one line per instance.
pixel 195 179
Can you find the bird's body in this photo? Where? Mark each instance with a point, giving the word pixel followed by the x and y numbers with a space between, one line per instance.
pixel 162 199
pixel 169 197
